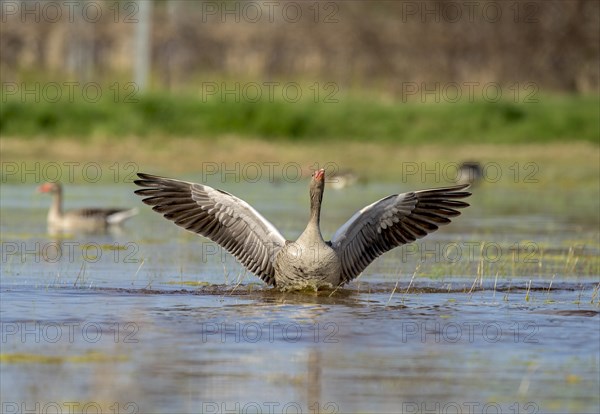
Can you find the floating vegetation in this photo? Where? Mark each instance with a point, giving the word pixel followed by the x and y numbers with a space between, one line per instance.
pixel 188 283
pixel 88 357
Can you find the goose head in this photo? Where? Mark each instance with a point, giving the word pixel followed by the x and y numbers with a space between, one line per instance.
pixel 51 188
pixel 317 186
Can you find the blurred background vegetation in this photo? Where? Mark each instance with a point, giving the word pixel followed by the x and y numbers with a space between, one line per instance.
pixel 377 45
pixel 418 72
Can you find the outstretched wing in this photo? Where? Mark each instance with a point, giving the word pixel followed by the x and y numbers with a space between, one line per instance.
pixel 223 218
pixel 392 222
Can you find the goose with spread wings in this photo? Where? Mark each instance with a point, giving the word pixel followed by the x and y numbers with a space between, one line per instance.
pixel 309 261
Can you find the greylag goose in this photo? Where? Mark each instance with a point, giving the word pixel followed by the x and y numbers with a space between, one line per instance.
pixel 343 179
pixel 84 219
pixel 469 172
pixel 309 261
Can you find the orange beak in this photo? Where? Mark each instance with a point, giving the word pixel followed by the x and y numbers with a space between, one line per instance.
pixel 320 175
pixel 44 188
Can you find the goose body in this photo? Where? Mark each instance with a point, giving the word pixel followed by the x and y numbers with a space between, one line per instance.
pixel 83 219
pixel 309 261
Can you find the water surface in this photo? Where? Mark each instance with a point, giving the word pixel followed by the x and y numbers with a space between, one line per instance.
pixel 498 312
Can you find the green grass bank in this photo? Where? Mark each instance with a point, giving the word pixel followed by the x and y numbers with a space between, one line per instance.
pixel 551 119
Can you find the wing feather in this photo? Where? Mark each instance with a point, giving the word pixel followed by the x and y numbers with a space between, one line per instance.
pixel 219 216
pixel 393 221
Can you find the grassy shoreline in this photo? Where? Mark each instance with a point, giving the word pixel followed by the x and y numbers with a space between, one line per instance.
pixel 554 164
pixel 552 118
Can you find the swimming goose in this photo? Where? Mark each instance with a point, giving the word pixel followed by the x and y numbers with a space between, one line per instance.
pixel 309 261
pixel 342 179
pixel 84 219
pixel 469 172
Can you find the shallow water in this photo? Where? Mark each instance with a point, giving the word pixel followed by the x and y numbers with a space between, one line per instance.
pixel 497 312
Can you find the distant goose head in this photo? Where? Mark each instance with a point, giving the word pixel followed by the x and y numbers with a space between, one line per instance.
pixel 51 188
